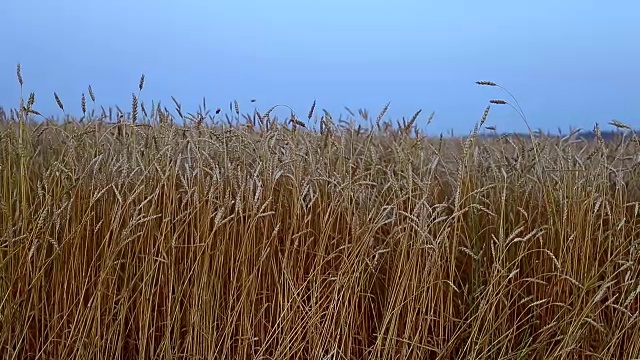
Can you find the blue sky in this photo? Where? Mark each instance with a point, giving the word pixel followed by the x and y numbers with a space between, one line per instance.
pixel 570 63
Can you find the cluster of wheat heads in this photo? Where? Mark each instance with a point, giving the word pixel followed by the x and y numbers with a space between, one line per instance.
pixel 252 239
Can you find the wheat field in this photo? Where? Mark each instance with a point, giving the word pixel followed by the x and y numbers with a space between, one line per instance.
pixel 163 234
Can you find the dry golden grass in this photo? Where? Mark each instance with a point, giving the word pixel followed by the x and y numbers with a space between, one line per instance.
pixel 148 240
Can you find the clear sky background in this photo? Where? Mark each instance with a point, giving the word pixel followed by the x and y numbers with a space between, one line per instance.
pixel 570 63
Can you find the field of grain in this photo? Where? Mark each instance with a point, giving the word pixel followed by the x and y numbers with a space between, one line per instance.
pixel 165 234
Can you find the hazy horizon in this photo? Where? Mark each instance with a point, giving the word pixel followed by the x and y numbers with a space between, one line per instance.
pixel 570 64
